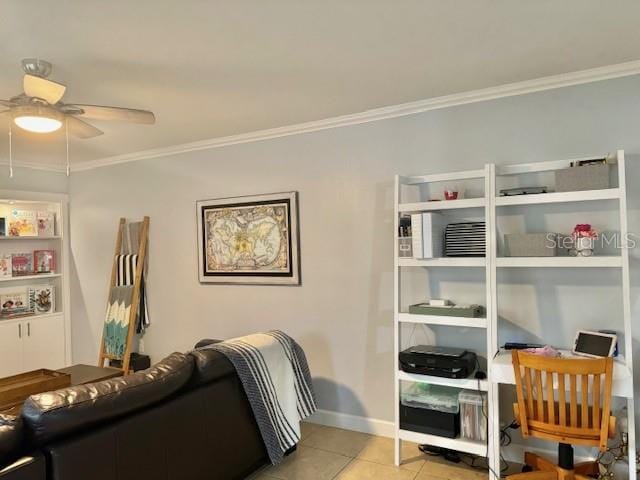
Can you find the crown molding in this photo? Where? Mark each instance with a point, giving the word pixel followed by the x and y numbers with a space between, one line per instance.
pixel 377 114
pixel 35 166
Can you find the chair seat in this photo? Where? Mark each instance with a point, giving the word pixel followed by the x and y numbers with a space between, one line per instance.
pixel 583 436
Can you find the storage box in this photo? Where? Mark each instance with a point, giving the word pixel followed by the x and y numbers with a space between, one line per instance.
pixel 469 311
pixel 405 247
pixel 531 244
pixel 473 415
pixel 588 177
pixel 430 409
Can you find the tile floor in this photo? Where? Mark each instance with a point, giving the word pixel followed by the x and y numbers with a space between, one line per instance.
pixel 327 453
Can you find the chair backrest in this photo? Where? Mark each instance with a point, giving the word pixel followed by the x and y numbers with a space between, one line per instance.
pixel 582 418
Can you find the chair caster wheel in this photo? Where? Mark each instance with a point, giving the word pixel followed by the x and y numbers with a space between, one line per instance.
pixel 527 468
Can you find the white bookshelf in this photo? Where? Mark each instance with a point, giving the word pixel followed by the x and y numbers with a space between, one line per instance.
pixel 461 445
pixel 41 340
pixel 476 206
pixel 442 205
pixel 493 205
pixel 21 278
pixel 443 262
pixel 467 383
pixel 466 322
pixel 601 261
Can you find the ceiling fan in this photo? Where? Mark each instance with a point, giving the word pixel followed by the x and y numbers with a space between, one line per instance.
pixel 39 108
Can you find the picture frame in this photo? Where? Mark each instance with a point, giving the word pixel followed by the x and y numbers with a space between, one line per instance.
pixel 251 240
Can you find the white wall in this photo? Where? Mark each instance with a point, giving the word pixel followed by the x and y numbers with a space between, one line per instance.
pixel 32 180
pixel 342 314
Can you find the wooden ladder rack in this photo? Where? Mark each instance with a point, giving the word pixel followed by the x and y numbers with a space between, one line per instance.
pixel 135 298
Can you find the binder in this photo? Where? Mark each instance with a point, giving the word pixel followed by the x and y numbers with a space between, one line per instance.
pixel 427 234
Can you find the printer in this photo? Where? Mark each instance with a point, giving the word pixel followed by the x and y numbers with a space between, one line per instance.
pixel 438 361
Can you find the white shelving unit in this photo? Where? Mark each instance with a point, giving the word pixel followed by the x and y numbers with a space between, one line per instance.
pixel 491 204
pixel 478 207
pixel 41 340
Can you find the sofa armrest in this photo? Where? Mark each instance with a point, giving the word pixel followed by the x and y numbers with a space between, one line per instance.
pixel 25 468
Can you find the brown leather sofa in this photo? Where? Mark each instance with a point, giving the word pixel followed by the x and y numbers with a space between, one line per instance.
pixel 187 417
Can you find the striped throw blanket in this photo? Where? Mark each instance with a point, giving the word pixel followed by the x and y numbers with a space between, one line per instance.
pixel 125 275
pixel 274 373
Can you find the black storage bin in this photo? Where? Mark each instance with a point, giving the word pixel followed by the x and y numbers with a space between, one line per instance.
pixel 428 421
pixel 430 409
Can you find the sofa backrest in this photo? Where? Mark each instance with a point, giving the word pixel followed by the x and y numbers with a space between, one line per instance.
pixel 52 415
pixel 205 432
pixel 209 366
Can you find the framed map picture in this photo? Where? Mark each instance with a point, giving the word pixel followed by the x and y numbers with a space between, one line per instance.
pixel 250 240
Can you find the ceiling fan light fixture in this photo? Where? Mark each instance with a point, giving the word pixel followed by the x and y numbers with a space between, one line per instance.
pixel 37 119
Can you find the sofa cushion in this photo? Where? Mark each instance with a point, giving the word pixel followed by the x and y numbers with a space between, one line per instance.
pixel 11 437
pixel 52 415
pixel 210 365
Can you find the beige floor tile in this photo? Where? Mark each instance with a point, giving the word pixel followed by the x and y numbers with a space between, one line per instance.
pixel 260 475
pixel 307 428
pixel 344 442
pixel 380 450
pixel 308 464
pixel 363 470
pixel 450 471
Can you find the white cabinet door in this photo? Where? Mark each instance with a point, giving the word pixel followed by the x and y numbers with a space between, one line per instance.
pixel 10 348
pixel 44 342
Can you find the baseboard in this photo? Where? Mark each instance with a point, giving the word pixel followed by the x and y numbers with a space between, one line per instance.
pixel 356 423
pixel 383 428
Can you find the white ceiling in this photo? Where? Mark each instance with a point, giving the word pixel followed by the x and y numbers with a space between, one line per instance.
pixel 216 68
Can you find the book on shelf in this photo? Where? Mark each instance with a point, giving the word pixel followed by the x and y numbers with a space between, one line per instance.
pixel 42 299
pixel 23 223
pixel 25 300
pixel 15 302
pixel 46 224
pixel 22 264
pixel 404 226
pixel 5 265
pixel 44 261
pixel 427 234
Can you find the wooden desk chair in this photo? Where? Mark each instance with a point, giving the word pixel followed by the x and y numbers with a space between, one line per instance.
pixel 568 421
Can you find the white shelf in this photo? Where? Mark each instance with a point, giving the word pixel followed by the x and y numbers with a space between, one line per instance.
pixel 467 383
pixel 458 444
pixel 559 197
pixel 55 237
pixel 443 177
pixel 30 317
pixel 30 277
pixel 443 262
pixel 475 322
pixel 442 205
pixel 603 261
pixel 499 369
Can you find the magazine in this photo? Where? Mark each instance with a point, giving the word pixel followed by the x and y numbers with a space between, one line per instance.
pixel 23 223
pixel 44 261
pixel 22 264
pixel 5 265
pixel 42 299
pixel 46 224
pixel 15 302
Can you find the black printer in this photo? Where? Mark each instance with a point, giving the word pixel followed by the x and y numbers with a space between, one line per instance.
pixel 438 361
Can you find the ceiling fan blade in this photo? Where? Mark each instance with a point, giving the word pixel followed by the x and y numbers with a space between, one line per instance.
pixel 42 88
pixel 7 103
pixel 99 112
pixel 81 129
